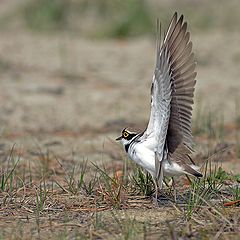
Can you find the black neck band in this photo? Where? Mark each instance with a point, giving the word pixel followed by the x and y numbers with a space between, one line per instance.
pixel 127 146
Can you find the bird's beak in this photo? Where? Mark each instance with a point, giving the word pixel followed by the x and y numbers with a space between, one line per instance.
pixel 119 138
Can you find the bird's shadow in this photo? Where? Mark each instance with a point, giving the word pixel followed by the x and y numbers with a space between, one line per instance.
pixel 167 199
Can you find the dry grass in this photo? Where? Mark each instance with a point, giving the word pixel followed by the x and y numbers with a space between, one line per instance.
pixel 49 198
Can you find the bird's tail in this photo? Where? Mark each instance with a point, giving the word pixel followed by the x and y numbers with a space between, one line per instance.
pixel 193 170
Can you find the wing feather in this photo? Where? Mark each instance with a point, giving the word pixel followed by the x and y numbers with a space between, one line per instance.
pixel 172 91
pixel 161 89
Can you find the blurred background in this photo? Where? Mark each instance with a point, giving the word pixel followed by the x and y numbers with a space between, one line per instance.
pixel 73 73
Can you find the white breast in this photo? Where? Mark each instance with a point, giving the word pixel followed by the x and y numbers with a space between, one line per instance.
pixel 144 156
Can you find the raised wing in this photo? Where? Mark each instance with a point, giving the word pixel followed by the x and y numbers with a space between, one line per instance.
pixel 172 89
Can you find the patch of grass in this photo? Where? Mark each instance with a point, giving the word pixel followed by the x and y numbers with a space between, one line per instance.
pixel 41 196
pixel 143 182
pixel 111 189
pixel 75 181
pixel 118 18
pixel 90 185
pixel 9 180
pixel 206 188
pixel 46 15
pixel 121 18
pixel 235 191
pixel 45 160
pixel 133 19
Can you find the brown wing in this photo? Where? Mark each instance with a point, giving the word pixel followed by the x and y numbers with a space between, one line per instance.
pixel 182 66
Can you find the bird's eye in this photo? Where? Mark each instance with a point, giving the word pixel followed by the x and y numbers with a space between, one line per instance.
pixel 125 134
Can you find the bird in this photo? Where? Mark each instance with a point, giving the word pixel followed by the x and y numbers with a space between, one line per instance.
pixel 165 147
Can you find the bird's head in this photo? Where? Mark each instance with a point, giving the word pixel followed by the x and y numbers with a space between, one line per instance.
pixel 126 136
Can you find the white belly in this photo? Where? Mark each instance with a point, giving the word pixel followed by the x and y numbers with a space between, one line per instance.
pixel 145 157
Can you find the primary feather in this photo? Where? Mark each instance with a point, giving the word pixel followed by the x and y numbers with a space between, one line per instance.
pixel 172 93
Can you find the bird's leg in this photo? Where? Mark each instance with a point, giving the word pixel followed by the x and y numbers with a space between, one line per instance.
pixel 174 190
pixel 156 192
pixel 158 178
pixel 166 184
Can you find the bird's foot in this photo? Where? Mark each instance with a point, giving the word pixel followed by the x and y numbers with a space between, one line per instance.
pixel 155 201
